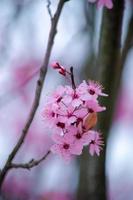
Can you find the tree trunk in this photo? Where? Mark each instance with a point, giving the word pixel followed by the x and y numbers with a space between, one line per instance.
pixel 94 185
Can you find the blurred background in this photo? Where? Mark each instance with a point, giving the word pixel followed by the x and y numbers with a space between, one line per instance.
pixel 24 31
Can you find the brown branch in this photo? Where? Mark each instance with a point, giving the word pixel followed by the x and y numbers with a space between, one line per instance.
pixel 32 163
pixel 38 91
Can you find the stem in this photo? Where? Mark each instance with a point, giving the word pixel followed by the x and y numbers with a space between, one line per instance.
pixel 38 91
pixel 72 78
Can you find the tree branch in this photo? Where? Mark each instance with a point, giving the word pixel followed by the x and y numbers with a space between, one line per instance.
pixel 49 10
pixel 38 91
pixel 32 163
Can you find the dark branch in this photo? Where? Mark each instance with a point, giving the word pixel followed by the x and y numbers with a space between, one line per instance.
pixel 32 163
pixel 72 78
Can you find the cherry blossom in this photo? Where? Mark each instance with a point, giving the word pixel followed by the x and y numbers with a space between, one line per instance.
pixel 93 106
pixel 78 136
pixel 96 143
pixel 65 146
pixel 60 68
pixel 71 114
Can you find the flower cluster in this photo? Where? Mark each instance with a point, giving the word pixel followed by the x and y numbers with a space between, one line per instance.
pixel 106 3
pixel 71 112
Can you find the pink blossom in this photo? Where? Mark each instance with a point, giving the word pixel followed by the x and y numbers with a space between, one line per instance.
pixel 106 3
pixel 65 146
pixel 96 143
pixel 72 97
pixel 70 115
pixel 79 136
pixel 60 68
pixel 57 95
pixel 55 65
pixel 49 112
pixel 71 111
pixel 66 114
pixel 94 88
pixel 90 90
pixel 93 106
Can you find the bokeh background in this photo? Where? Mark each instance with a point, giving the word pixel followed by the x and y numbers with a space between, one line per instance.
pixel 24 28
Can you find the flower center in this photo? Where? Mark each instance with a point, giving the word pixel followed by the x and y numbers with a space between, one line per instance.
pixel 90 110
pixel 78 135
pixel 92 92
pixel 53 114
pixel 75 96
pixel 78 121
pixel 69 115
pixel 61 125
pixel 66 146
pixel 59 99
pixel 92 142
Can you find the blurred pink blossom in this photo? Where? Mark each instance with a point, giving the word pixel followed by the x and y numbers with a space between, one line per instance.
pixel 106 3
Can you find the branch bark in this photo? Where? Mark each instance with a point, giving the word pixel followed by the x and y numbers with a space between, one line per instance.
pixel 38 91
pixel 32 163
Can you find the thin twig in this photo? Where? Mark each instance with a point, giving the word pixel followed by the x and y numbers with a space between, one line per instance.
pixel 72 78
pixel 49 9
pixel 32 163
pixel 38 91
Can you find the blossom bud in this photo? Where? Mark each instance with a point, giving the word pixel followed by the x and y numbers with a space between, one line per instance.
pixel 55 65
pixel 62 71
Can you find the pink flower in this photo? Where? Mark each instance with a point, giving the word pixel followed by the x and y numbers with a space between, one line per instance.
pixel 72 97
pixel 70 115
pixel 94 88
pixel 93 106
pixel 65 146
pixel 96 143
pixel 106 3
pixel 57 95
pixel 88 91
pixel 91 90
pixel 78 136
pixel 49 113
pixel 66 114
pixel 71 111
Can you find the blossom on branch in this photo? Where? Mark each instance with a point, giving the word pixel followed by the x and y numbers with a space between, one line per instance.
pixel 71 112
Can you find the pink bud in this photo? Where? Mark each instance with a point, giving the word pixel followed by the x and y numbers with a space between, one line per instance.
pixel 62 71
pixel 55 65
